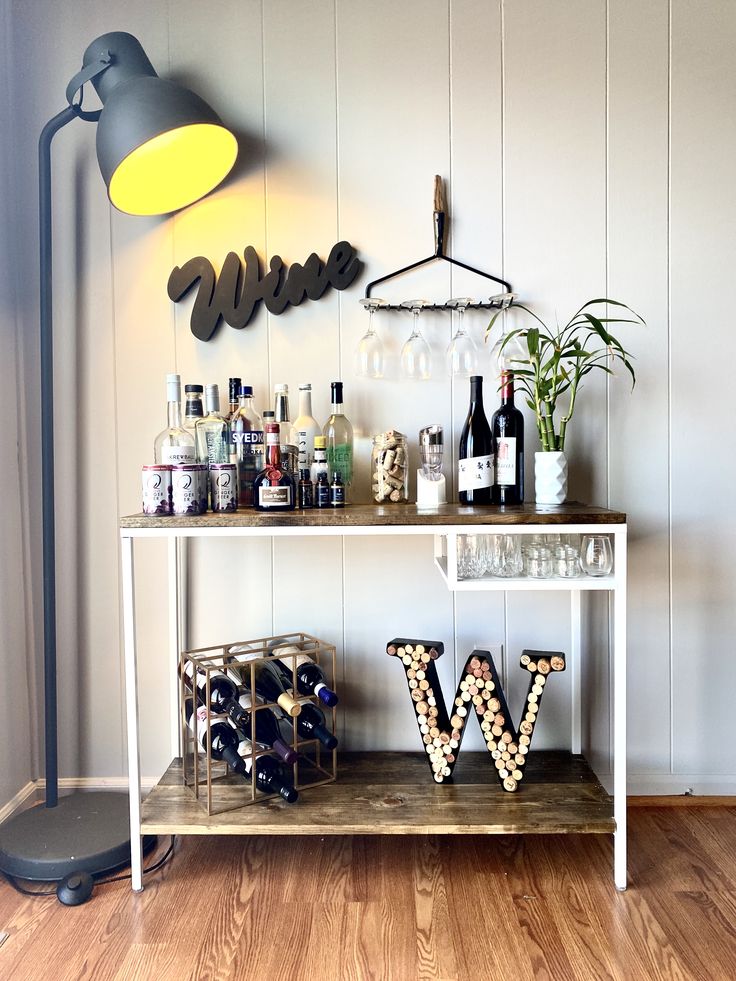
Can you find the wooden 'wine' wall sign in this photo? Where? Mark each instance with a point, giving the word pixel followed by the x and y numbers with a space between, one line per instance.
pixel 479 693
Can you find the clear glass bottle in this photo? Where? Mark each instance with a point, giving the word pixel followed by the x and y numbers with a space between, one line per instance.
pixel 246 433
pixel 193 406
pixel 306 427
pixel 319 464
pixel 339 435
pixel 274 488
pixel 174 444
pixel 212 433
pixel 233 391
pixel 288 443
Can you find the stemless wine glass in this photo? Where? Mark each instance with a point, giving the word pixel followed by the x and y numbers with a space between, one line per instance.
pixel 369 359
pixel 416 356
pixel 596 555
pixel 462 354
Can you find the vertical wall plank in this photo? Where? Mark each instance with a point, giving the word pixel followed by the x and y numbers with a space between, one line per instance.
pixel 638 423
pixel 702 246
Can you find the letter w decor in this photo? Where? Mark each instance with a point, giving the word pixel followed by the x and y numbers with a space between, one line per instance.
pixel 479 693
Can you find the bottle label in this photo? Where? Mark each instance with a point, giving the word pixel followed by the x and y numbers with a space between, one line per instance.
pixel 274 497
pixel 323 495
pixel 172 455
pixel 306 456
pixel 506 461
pixel 252 439
pixel 340 459
pixel 475 472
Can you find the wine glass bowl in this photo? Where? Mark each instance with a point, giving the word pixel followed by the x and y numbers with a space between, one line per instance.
pixel 596 555
pixel 416 355
pixel 369 356
pixel 462 354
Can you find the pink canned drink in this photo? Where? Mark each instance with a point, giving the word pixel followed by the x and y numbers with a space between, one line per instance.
pixel 156 485
pixel 224 486
pixel 186 497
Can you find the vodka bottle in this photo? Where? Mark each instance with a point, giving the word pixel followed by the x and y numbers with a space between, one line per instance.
pixel 193 408
pixel 246 433
pixel 287 438
pixel 212 433
pixel 339 435
pixel 306 427
pixel 174 444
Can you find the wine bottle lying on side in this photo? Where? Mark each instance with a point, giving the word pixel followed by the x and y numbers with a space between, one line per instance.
pixel 310 678
pixel 266 728
pixel 271 776
pixel 269 681
pixel 310 724
pixel 224 691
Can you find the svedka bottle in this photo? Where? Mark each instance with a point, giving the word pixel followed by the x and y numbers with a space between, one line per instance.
pixel 274 489
pixel 339 435
pixel 246 433
pixel 475 458
pixel 507 429
pixel 174 444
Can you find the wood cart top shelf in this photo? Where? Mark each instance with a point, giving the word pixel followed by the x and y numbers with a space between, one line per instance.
pixel 393 516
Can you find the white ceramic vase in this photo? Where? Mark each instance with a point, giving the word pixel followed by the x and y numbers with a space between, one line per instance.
pixel 550 477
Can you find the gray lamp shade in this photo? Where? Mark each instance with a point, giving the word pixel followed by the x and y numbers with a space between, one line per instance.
pixel 160 147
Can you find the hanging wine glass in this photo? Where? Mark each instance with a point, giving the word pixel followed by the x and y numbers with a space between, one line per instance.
pixel 416 356
pixel 462 354
pixel 369 360
pixel 506 355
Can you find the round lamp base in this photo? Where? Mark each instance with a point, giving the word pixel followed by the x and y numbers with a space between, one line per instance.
pixel 85 832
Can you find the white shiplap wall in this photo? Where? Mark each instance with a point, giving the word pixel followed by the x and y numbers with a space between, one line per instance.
pixel 587 148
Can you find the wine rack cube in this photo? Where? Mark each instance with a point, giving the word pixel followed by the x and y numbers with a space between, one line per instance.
pixel 212 782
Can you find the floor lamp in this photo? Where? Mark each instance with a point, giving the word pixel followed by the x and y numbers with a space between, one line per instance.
pixel 160 147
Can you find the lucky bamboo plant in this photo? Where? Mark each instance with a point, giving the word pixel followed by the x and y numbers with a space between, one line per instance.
pixel 551 364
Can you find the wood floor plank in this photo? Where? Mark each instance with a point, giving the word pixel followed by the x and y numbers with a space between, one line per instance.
pixel 403 908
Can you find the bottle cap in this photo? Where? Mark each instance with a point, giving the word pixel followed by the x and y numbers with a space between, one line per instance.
pixel 245 390
pixel 268 414
pixel 320 442
pixel 193 388
pixel 233 386
pixel 336 477
pixel 336 392
pixel 281 388
pixel 304 473
pixel 305 387
pixel 173 388
pixel 211 389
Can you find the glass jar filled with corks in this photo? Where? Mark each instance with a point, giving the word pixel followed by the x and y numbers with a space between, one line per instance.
pixel 389 468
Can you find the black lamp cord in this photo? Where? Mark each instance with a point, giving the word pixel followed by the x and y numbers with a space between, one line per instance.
pixel 98 882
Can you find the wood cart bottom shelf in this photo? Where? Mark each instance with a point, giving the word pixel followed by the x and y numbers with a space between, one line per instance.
pixel 393 793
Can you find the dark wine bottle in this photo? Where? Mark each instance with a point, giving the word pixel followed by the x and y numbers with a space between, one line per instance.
pixel 507 428
pixel 310 678
pixel 271 777
pixel 266 728
pixel 224 693
pixel 475 459
pixel 269 680
pixel 223 740
pixel 311 724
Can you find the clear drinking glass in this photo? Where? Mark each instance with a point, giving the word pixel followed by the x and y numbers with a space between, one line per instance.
pixel 566 561
pixel 369 359
pixel 416 356
pixel 506 560
pixel 596 555
pixel 538 562
pixel 471 556
pixel 462 354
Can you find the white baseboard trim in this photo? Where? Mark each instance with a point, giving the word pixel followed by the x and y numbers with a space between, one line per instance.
pixel 18 800
pixel 675 784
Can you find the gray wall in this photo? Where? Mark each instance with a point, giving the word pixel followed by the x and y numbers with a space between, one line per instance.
pixel 588 148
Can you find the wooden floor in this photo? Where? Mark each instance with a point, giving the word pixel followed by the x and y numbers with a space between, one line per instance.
pixel 401 908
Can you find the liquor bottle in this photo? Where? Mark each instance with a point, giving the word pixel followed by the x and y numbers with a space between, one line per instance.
pixel 246 433
pixel 233 390
pixel 311 724
pixel 212 433
pixel 287 438
pixel 310 678
pixel 319 463
pixel 475 459
pixel 193 406
pixel 507 429
pixel 306 427
pixel 306 490
pixel 271 778
pixel 322 491
pixel 266 727
pixel 223 740
pixel 269 682
pixel 274 489
pixel 174 444
pixel 337 491
pixel 339 435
